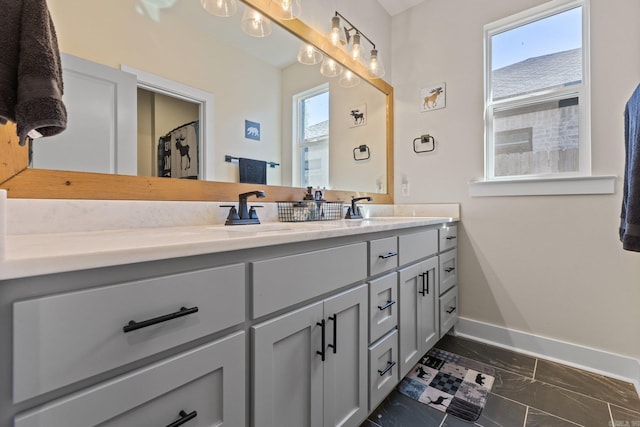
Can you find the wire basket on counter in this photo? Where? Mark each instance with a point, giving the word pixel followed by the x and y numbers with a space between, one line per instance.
pixel 309 210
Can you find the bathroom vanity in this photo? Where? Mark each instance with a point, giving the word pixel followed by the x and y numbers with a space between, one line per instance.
pixel 278 324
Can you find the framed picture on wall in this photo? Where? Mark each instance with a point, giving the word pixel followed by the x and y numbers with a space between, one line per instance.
pixel 358 116
pixel 433 97
pixel 252 130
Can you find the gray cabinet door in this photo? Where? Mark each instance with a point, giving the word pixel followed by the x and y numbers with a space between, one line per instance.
pixel 418 325
pixel 429 321
pixel 345 367
pixel 288 372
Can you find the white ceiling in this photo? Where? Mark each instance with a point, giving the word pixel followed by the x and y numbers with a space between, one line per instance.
pixel 396 6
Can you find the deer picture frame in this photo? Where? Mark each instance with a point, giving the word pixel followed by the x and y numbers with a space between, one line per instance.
pixel 433 97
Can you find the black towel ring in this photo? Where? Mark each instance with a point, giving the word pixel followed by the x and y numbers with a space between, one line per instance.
pixel 362 149
pixel 425 139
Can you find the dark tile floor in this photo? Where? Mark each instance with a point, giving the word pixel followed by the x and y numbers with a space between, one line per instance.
pixel 527 392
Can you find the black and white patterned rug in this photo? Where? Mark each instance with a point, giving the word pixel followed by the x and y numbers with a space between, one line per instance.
pixel 449 383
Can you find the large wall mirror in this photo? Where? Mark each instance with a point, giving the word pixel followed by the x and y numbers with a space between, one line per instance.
pixel 258 103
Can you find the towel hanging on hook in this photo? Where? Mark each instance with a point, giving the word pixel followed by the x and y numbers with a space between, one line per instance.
pixel 424 139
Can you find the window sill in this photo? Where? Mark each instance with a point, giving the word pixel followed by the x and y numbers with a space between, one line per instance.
pixel 544 186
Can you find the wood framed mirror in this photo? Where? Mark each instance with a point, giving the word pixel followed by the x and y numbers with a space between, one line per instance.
pixel 24 182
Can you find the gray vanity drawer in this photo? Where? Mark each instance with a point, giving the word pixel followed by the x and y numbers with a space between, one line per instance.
pixel 383 368
pixel 448 237
pixel 448 270
pixel 209 380
pixel 64 338
pixel 383 305
pixel 281 282
pixel 417 246
pixel 448 310
pixel 383 255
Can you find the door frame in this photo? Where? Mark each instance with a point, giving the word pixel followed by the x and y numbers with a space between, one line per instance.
pixel 164 86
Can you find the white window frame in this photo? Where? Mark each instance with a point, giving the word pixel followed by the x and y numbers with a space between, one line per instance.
pixel 582 90
pixel 298 143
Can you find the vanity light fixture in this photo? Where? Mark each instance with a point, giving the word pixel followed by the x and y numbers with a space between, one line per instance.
pixel 223 8
pixel 335 36
pixel 330 68
pixel 349 79
pixel 254 23
pixel 376 67
pixel 374 63
pixel 356 52
pixel 285 9
pixel 309 55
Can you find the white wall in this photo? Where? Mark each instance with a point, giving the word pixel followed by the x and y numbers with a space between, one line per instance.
pixel 545 265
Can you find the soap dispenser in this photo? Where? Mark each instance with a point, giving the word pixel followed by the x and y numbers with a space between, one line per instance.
pixel 309 195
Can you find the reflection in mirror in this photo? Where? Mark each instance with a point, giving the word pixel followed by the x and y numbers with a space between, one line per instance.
pixel 252 81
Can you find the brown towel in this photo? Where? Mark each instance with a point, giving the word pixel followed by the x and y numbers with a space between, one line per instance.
pixel 30 70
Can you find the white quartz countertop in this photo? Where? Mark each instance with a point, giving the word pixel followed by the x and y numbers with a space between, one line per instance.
pixel 37 254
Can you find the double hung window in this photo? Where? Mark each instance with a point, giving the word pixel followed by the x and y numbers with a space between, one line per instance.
pixel 537 93
pixel 312 138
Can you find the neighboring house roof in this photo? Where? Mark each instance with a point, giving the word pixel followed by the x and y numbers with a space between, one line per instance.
pixel 537 73
pixel 317 131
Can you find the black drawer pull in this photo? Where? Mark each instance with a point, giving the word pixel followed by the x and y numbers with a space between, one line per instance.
pixel 449 270
pixel 334 346
pixel 387 369
pixel 450 237
pixel 322 353
pixel 184 417
pixel 387 305
pixel 388 255
pixel 133 325
pixel 451 310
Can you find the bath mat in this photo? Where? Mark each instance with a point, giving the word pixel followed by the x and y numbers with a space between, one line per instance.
pixel 449 383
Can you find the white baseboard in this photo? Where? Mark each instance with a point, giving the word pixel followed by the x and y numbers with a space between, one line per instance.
pixel 589 359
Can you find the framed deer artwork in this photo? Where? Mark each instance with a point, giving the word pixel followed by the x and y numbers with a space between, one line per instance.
pixel 433 97
pixel 358 115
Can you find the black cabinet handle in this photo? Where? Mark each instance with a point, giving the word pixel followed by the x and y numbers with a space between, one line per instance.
pixel 184 417
pixel 385 370
pixel 387 305
pixel 449 270
pixel 388 255
pixel 450 237
pixel 451 310
pixel 334 346
pixel 133 325
pixel 426 283
pixel 322 353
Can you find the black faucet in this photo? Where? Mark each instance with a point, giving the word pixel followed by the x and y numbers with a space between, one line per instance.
pixel 243 215
pixel 354 211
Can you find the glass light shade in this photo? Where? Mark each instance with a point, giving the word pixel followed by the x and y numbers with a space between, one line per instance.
pixel 376 67
pixel 335 36
pixel 309 55
pixel 224 8
pixel 356 48
pixel 285 9
pixel 254 24
pixel 348 79
pixel 330 68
